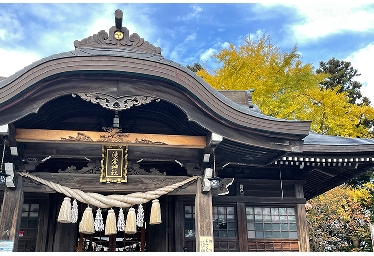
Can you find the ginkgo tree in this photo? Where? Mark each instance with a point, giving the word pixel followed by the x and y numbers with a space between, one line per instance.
pixel 286 88
pixel 339 220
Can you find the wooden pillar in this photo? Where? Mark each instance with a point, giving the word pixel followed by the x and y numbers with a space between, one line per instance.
pixel 11 216
pixel 52 220
pixel 302 227
pixel 65 237
pixel 157 234
pixel 203 219
pixel 42 235
pixel 242 228
pixel 65 234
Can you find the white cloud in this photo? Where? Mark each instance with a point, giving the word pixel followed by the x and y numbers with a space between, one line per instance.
pixel 48 12
pixel 207 54
pixel 10 28
pixel 190 37
pixel 196 10
pixel 15 60
pixel 322 19
pixel 362 61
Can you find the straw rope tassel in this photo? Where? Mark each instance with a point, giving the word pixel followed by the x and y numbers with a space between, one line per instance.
pixel 131 222
pixel 74 212
pixel 64 216
pixel 99 224
pixel 140 216
pixel 86 226
pixel 110 223
pixel 121 221
pixel 155 217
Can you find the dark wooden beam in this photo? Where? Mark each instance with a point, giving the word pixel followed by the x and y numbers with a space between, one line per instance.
pixel 91 183
pixel 40 150
pixel 112 136
pixel 260 200
pixel 11 214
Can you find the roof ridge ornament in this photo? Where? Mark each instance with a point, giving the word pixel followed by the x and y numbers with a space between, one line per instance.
pixel 119 38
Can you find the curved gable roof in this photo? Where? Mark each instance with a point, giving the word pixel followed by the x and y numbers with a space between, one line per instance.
pixel 102 65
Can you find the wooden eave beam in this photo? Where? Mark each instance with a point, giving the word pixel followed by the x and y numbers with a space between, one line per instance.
pixel 91 183
pixel 113 136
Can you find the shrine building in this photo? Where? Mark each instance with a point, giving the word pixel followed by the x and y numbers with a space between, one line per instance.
pixel 112 147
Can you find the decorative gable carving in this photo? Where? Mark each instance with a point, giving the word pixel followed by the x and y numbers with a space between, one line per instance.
pixel 118 38
pixel 119 103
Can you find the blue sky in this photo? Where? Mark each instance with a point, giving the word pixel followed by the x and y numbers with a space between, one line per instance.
pixel 191 32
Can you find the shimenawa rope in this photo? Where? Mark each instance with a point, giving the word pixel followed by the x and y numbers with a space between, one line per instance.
pixel 109 201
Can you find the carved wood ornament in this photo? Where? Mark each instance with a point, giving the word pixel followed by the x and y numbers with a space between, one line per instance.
pixel 118 37
pixel 113 103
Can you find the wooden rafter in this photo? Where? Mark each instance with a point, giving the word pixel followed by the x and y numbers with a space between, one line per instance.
pixel 111 136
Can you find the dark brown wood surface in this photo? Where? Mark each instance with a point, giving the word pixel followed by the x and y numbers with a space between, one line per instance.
pixel 157 234
pixel 242 226
pixel 203 214
pixel 266 245
pixel 42 235
pixel 11 213
pixel 91 183
pixel 301 220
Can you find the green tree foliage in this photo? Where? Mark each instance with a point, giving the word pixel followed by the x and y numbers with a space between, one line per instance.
pixel 195 67
pixel 340 74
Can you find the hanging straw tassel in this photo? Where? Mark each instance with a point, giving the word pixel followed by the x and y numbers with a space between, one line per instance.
pixel 86 226
pixel 99 224
pixel 131 222
pixel 64 216
pixel 74 212
pixel 121 221
pixel 110 223
pixel 155 217
pixel 140 216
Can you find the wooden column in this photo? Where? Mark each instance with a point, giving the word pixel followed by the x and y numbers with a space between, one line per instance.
pixel 302 227
pixel 42 235
pixel 242 228
pixel 65 235
pixel 157 234
pixel 203 219
pixel 11 215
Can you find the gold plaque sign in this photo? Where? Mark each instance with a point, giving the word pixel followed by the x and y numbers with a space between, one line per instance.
pixel 114 164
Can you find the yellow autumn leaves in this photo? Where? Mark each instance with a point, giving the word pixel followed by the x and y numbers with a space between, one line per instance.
pixel 286 88
pixel 340 216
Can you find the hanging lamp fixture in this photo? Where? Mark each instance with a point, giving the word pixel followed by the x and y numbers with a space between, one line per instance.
pixel 215 181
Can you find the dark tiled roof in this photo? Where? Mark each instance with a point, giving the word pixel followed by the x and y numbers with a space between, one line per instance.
pixel 319 139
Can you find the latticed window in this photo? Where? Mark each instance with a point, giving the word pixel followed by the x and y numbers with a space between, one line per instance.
pixel 28 228
pixel 224 228
pixel 189 221
pixel 271 222
pixel 224 221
